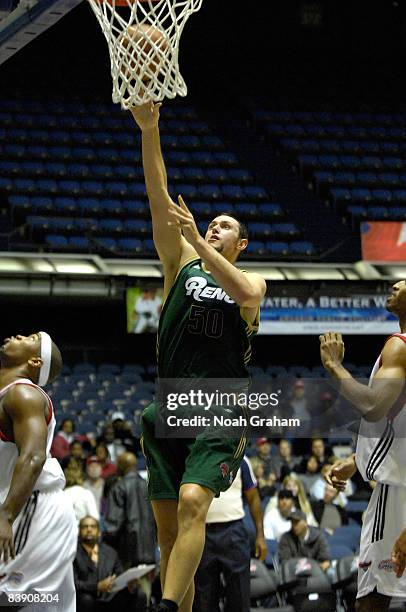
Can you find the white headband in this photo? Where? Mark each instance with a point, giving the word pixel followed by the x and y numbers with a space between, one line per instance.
pixel 46 352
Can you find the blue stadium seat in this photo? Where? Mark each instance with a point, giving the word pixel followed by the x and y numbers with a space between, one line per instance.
pixel 103 139
pixel 367 179
pixel 81 138
pixel 233 192
pixel 79 170
pixel 340 194
pixel 10 168
pixel 93 188
pixel 101 171
pixel 212 142
pixel 6 184
pixel 381 196
pixel 377 212
pixel 81 243
pixel 136 208
pixel 194 174
pixel 59 225
pixel 187 191
pixel 37 152
pixel 269 210
pixel 338 551
pixel 21 185
pixel 15 151
pixel 111 226
pixel 41 204
pixel 357 211
pixel 350 162
pixel 246 211
pixel 84 154
pixel 56 169
pixel 107 242
pixel 129 245
pixel 175 175
pixel 180 158
pixel 371 163
pixel 284 229
pixel 136 227
pixel 128 173
pixel 343 178
pixel 136 190
pixel 302 248
pixel 391 179
pixel 115 189
pixel 202 158
pixel 111 207
pixel 225 158
pixel 149 247
pixel 397 213
pixel 189 141
pixel 217 175
pixel 32 168
pixel 86 224
pixel 61 153
pixel 201 209
pixel 360 195
pixel 260 231
pixel 210 192
pixel 20 202
pixel 256 247
pixel 56 241
pixel 68 188
pixel 59 137
pixel 277 248
pixel 255 193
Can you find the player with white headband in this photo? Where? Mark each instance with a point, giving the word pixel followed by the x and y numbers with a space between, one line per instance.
pixel 38 534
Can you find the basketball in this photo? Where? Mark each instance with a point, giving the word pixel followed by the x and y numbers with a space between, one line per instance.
pixel 147 45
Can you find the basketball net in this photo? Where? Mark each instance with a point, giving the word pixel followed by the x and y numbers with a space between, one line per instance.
pixel 143 39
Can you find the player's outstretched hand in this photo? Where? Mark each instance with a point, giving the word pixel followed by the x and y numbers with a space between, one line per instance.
pixel 339 472
pixel 399 554
pixel 146 115
pixel 183 218
pixel 331 349
pixel 7 551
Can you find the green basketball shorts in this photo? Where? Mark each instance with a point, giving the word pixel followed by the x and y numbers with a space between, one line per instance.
pixel 210 461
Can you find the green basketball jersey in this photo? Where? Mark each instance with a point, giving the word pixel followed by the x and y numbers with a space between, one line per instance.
pixel 201 331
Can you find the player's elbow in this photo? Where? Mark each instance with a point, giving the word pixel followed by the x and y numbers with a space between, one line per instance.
pixel 374 412
pixel 250 299
pixel 34 460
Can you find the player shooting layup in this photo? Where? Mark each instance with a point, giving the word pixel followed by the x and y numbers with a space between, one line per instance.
pixel 203 333
pixel 380 456
pixel 38 534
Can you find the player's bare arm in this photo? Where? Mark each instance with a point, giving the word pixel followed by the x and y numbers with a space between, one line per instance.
pixel 372 402
pixel 246 289
pixel 24 406
pixel 171 248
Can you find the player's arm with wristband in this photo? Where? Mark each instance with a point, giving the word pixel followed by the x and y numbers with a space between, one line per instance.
pixel 372 402
pixel 25 406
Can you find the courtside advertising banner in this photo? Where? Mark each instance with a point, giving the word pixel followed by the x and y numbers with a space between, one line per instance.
pixel 311 310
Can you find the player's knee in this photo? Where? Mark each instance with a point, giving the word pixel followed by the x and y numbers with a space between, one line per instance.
pixel 190 505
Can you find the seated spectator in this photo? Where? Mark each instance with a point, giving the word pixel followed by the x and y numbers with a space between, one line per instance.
pixel 123 434
pixel 304 541
pixel 329 514
pixel 82 500
pixel 309 472
pixel 114 446
pixel 95 568
pixel 63 439
pixel 102 454
pixel 276 519
pixel 263 454
pixel 294 484
pixel 130 526
pixel 284 461
pixel 75 457
pixel 94 481
pixel 320 451
pixel 266 486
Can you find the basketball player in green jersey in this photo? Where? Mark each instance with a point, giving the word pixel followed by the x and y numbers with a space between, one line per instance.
pixel 210 311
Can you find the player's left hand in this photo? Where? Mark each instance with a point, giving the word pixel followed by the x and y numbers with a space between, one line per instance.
pixel 261 548
pixel 399 554
pixel 183 218
pixel 7 551
pixel 331 349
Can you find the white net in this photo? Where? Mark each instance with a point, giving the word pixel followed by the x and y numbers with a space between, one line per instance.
pixel 143 39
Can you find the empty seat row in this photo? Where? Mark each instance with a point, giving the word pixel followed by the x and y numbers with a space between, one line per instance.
pixel 24 204
pixel 57 170
pixel 109 155
pixel 278 130
pixel 361 179
pixel 335 162
pixel 327 117
pixel 128 189
pixel 355 147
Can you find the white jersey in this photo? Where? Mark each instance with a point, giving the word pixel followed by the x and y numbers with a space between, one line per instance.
pixel 381 446
pixel 51 477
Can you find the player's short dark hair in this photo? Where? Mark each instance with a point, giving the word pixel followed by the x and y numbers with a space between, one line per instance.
pixel 56 363
pixel 243 233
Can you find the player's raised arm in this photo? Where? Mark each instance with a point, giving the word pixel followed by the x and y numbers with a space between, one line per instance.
pixel 372 402
pixel 24 406
pixel 167 238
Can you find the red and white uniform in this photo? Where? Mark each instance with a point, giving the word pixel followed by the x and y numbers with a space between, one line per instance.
pixel 381 456
pixel 45 532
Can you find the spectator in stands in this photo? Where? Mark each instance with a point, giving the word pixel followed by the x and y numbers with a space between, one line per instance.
pixel 266 486
pixel 75 457
pixel 329 514
pixel 276 519
pixel 63 439
pixel 114 445
pixel 94 481
pixel 299 403
pixel 227 549
pixel 130 526
pixel 83 501
pixel 304 541
pixel 294 484
pixel 95 568
pixel 319 450
pixel 263 454
pixel 284 461
pixel 123 435
pixel 309 472
pixel 102 454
